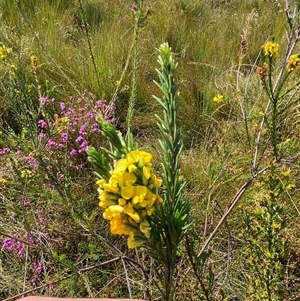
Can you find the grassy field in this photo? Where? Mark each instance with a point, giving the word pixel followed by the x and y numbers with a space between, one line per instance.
pixel 64 63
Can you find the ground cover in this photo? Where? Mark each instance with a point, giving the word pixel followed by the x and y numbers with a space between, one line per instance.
pixel 65 65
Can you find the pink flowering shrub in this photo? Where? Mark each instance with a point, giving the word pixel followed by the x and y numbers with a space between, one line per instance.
pixel 73 127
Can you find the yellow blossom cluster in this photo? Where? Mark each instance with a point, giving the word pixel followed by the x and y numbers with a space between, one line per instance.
pixel 293 62
pixel 4 51
pixel 271 49
pixel 129 197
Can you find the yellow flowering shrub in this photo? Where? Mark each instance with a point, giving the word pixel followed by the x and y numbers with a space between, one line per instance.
pixel 129 197
pixel 271 49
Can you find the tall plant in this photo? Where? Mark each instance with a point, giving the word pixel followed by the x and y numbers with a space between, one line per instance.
pixel 129 189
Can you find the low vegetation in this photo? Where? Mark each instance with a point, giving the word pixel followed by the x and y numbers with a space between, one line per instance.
pixel 209 205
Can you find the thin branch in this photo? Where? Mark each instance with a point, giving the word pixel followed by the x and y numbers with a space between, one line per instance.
pixel 232 204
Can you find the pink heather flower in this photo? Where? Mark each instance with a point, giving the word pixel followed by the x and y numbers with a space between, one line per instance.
pixel 62 106
pixel 50 143
pixel 95 128
pixel 64 137
pixel 44 100
pixel 41 135
pixel 89 115
pixel 79 139
pixel 73 152
pixel 82 130
pixel 31 161
pixel 59 145
pixel 8 243
pixel 26 203
pixel 83 146
pixel 42 124
pixel 14 245
pixel 37 269
pixel 4 151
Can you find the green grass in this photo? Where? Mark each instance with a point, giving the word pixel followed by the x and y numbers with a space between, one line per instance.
pixel 218 151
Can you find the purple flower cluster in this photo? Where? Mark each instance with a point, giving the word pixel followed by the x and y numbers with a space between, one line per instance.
pixel 4 151
pixel 18 246
pixel 73 125
pixel 32 162
pixel 37 268
pixel 44 100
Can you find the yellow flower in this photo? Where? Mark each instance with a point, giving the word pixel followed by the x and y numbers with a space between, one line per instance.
pixel 127 192
pixel 145 228
pixel 122 202
pixel 120 166
pixel 3 181
pixel 129 210
pixel 33 61
pixel 293 62
pixel 129 196
pixel 131 242
pixel 139 196
pixel 106 199
pixel 119 227
pixel 271 49
pixel 126 178
pixel 218 98
pixel 113 211
pixel 134 241
pixel 4 51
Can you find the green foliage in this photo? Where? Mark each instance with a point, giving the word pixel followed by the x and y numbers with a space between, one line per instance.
pixel 243 149
pixel 170 222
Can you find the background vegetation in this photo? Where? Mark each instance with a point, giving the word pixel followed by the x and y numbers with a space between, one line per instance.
pixel 54 240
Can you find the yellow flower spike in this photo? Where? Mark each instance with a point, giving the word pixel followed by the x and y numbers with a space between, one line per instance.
pixel 145 228
pixel 34 62
pixel 271 49
pixel 4 51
